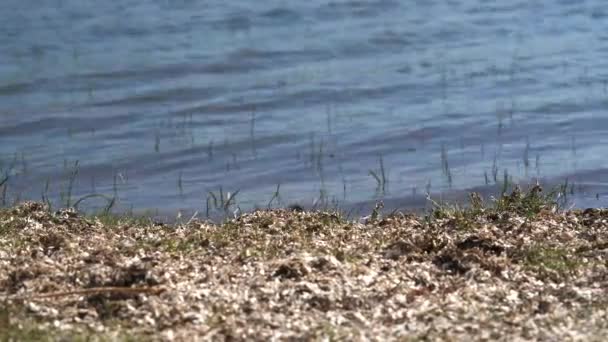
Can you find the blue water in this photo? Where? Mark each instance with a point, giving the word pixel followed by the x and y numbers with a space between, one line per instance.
pixel 163 102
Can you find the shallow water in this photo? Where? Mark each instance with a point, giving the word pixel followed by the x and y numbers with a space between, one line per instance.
pixel 162 102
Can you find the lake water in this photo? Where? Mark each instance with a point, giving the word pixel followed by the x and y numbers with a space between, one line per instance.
pixel 162 102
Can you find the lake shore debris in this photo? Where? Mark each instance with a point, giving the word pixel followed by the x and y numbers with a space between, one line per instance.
pixel 517 269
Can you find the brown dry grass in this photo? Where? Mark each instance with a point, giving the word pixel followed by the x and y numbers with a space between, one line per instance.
pixel 518 269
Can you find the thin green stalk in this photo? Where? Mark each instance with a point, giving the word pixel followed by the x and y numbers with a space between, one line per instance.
pixel 4 190
pixel 179 184
pixel 45 193
pixel 71 181
pixel 110 200
pixel 275 195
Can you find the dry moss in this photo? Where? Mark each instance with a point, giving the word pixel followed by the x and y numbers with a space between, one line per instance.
pixel 517 268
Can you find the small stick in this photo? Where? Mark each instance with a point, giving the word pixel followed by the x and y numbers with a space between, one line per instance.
pixel 156 290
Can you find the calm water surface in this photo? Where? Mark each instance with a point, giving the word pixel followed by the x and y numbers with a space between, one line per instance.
pixel 162 102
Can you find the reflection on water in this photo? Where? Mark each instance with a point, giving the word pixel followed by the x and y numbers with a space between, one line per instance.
pixel 182 104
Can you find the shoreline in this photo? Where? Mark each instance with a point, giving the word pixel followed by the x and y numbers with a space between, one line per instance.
pixel 516 267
